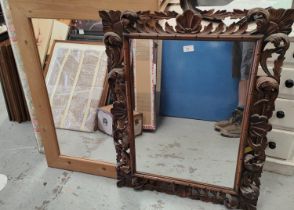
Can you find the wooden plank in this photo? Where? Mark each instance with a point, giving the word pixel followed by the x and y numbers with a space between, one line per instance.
pixel 93 167
pixel 32 66
pixel 77 9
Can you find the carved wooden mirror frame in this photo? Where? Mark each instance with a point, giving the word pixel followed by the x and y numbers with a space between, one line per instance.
pixel 271 26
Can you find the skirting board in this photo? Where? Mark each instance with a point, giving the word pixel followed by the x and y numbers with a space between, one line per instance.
pixel 283 167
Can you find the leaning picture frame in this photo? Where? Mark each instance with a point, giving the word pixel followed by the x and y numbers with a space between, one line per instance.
pixel 18 17
pixel 103 92
pixel 268 27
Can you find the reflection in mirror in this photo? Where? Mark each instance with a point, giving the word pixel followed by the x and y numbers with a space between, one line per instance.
pixel 192 107
pixel 75 75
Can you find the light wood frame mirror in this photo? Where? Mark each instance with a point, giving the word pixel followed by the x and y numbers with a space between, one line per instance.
pixel 21 32
pixel 265 26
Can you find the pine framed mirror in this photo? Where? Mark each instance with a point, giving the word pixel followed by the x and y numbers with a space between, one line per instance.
pixel 21 16
pixel 158 160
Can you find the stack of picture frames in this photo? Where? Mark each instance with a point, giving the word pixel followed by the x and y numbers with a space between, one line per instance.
pixel 11 86
pixel 267 27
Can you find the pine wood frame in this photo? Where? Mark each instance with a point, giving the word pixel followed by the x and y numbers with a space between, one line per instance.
pixel 22 11
pixel 272 26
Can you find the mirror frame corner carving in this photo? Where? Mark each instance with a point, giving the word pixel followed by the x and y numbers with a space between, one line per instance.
pixel 272 26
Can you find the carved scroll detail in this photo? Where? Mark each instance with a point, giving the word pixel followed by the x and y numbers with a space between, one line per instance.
pixel 113 29
pixel 116 79
pixel 111 21
pixel 265 94
pixel 179 190
pixel 113 45
pixel 194 21
pixel 188 22
pixel 281 44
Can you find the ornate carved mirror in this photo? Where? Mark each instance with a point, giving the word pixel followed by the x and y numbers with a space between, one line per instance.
pixel 197 87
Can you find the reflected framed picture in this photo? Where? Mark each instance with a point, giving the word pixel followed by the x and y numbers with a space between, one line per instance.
pixel 75 80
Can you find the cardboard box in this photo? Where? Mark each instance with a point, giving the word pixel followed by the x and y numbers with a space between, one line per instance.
pixel 147 71
pixel 105 121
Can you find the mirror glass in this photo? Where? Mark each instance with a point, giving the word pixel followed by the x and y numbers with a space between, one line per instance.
pixel 74 62
pixel 189 97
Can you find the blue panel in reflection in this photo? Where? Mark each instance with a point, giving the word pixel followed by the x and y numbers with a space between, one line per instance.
pixel 198 84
